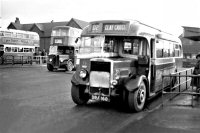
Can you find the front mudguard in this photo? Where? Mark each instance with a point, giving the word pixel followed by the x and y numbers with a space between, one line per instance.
pixel 76 80
pixel 132 84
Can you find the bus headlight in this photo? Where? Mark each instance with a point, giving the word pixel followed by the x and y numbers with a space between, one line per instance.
pixel 114 82
pixel 83 73
pixel 50 60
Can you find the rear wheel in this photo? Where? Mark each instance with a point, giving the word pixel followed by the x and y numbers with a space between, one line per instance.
pixel 70 66
pixel 78 95
pixel 136 99
pixel 50 67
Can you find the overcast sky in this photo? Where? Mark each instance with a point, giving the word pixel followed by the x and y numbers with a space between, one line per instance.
pixel 167 15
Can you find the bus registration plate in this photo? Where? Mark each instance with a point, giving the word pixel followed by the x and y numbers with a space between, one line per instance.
pixel 100 98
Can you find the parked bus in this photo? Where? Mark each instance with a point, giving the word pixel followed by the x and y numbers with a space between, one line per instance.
pixel 17 45
pixel 63 49
pixel 125 60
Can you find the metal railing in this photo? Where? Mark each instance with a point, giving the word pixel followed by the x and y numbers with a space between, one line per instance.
pixel 183 78
pixel 40 59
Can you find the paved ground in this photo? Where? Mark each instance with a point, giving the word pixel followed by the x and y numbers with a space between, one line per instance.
pixel 33 100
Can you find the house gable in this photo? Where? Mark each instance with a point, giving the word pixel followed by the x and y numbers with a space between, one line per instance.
pixel 36 29
pixel 72 23
pixel 14 26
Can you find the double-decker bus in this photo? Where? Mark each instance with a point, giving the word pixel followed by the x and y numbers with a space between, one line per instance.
pixel 125 60
pixel 63 48
pixel 16 44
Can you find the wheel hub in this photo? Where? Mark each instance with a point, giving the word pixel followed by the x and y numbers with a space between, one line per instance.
pixel 141 96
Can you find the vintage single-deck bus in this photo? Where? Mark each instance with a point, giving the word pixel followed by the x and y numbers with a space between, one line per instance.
pixel 63 49
pixel 124 59
pixel 16 44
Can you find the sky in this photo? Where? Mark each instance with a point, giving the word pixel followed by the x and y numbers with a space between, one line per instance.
pixel 167 15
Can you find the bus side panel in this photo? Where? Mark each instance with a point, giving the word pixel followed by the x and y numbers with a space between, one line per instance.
pixel 163 69
pixel 17 57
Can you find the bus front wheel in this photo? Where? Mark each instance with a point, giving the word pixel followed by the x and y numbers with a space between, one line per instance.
pixel 50 67
pixel 136 99
pixel 78 95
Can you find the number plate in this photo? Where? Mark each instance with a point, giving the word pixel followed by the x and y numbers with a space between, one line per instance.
pixel 100 98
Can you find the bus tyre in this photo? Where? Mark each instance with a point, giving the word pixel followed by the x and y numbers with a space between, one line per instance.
pixel 136 99
pixel 78 95
pixel 70 66
pixel 50 67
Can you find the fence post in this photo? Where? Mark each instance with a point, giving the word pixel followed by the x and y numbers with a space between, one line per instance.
pixel 186 79
pixel 22 60
pixel 13 60
pixel 31 61
pixel 40 59
pixel 179 87
pixel 162 90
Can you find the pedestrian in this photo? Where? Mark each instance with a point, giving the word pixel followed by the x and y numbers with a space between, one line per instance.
pixel 196 80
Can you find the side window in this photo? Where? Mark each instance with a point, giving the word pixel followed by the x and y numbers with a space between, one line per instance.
pixel 171 49
pixel 20 49
pixel 8 34
pixel 166 51
pixel 31 50
pixel 1 33
pixel 19 35
pixel 14 49
pixel 26 36
pixel 26 49
pixel 7 49
pixel 159 48
pixel 177 50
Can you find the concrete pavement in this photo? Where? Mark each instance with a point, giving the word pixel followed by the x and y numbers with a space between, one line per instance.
pixel 35 100
pixel 176 116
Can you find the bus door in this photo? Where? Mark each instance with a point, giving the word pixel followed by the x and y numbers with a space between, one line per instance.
pixel 1 50
pixel 1 53
pixel 152 69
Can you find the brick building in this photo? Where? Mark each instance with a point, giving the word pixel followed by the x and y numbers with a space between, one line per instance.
pixel 191 42
pixel 44 29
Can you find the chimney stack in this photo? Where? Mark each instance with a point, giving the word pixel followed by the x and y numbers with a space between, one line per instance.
pixel 17 20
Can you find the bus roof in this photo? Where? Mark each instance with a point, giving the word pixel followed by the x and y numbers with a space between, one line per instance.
pixel 18 31
pixel 64 27
pixel 125 28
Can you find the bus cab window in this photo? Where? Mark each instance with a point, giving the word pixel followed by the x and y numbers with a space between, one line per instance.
pixel 127 48
pixel 108 46
pixel 135 50
pixel 131 46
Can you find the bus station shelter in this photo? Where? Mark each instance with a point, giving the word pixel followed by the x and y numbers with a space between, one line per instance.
pixel 191 33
